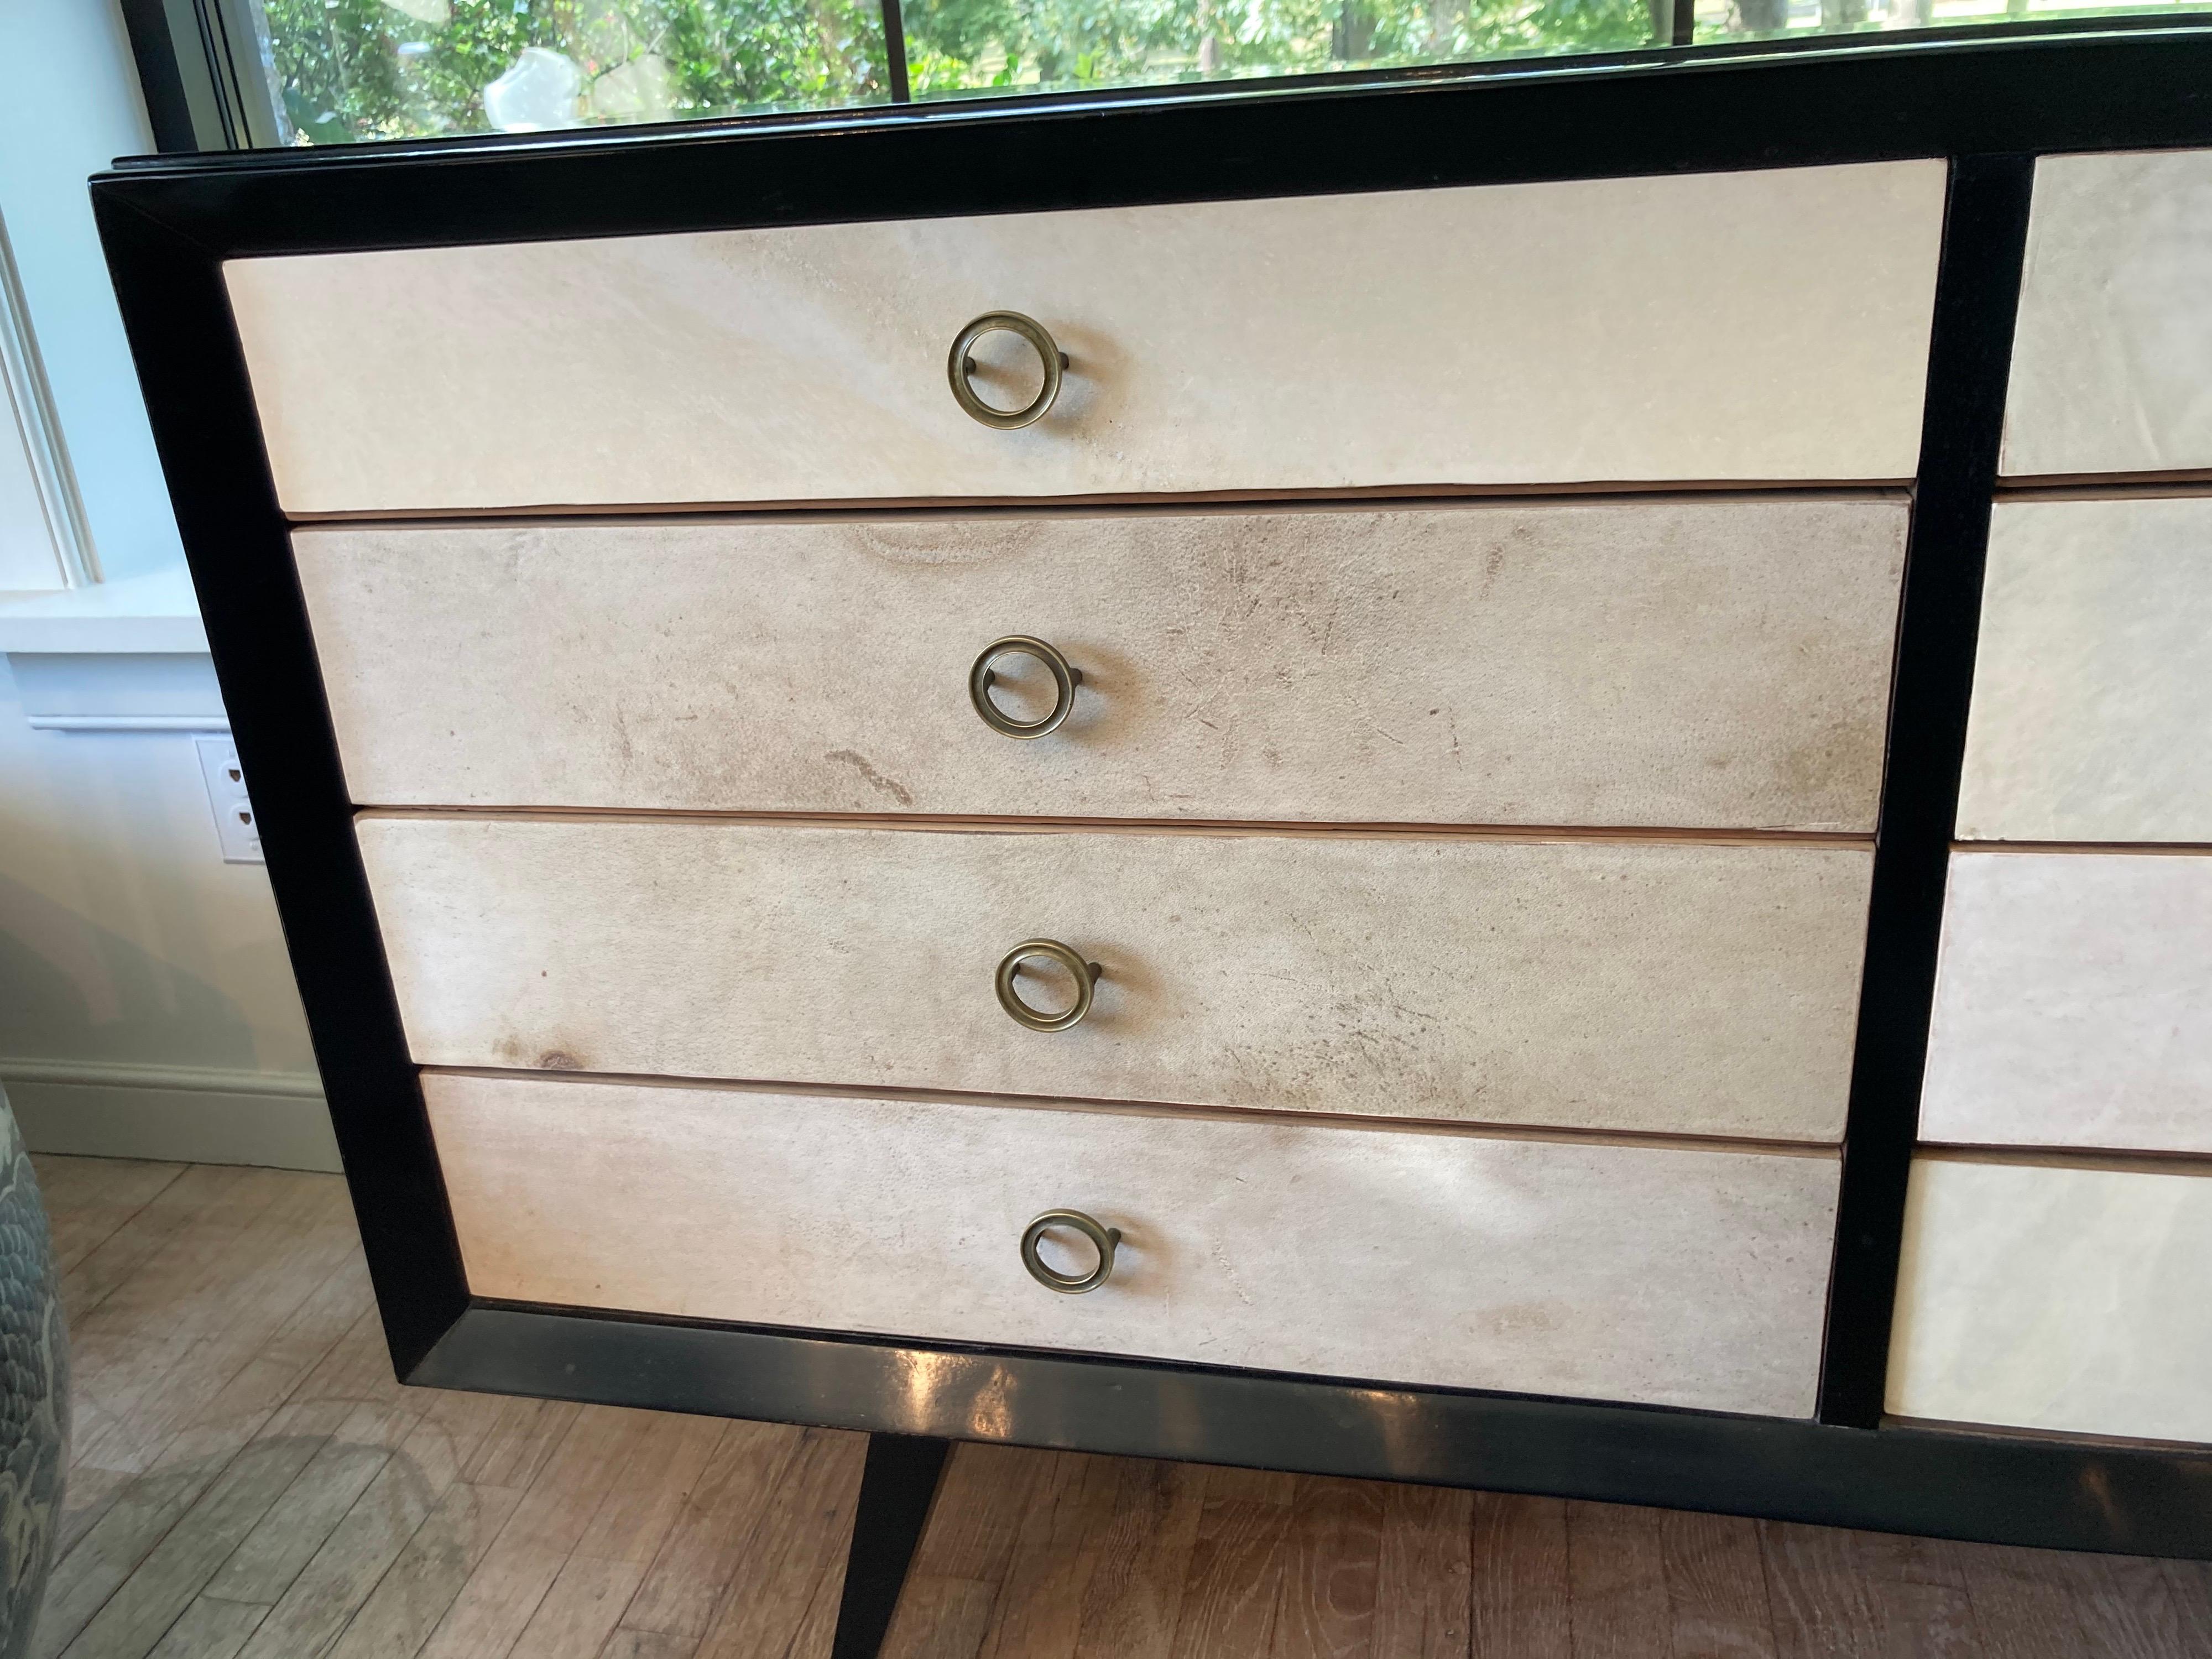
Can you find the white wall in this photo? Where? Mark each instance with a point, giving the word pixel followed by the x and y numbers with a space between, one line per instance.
pixel 146 1006
pixel 72 107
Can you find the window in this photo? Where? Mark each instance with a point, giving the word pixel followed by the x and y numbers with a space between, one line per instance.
pixel 347 71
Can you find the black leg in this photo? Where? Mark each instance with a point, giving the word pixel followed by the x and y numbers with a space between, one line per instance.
pixel 896 1487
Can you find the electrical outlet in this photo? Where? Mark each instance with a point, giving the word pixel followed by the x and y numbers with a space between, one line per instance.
pixel 235 826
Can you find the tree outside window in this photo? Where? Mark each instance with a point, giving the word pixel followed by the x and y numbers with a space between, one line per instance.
pixel 348 70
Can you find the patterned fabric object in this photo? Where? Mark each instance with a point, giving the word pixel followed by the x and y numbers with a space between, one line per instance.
pixel 33 1394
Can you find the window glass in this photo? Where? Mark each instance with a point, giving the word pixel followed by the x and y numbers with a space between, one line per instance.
pixel 350 69
pixel 344 70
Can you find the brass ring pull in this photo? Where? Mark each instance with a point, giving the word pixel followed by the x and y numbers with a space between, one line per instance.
pixel 1087 979
pixel 959 366
pixel 1103 1239
pixel 1065 676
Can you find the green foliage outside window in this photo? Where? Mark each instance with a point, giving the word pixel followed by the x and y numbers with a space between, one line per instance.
pixel 352 70
pixel 956 45
pixel 349 70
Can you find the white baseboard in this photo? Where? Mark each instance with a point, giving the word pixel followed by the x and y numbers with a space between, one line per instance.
pixel 186 1114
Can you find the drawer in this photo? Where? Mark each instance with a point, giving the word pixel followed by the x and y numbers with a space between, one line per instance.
pixel 1662 986
pixel 2074 1003
pixel 2093 682
pixel 2112 364
pixel 1755 326
pixel 1722 663
pixel 1678 1277
pixel 2071 1299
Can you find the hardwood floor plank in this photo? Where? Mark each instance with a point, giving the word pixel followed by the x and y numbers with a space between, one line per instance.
pixel 209 1629
pixel 982 1496
pixel 561 1502
pixel 686 1580
pixel 1134 1598
pixel 1843 1593
pixel 427 1576
pixel 277 1233
pixel 818 1630
pixel 110 1550
pixel 2020 1608
pixel 522 1441
pixel 647 1644
pixel 1421 1600
pixel 1040 1604
pixel 300 1345
pixel 1519 1596
pixel 131 1620
pixel 1255 1485
pixel 203 1195
pixel 266 1561
pixel 497 1602
pixel 578 1612
pixel 2125 1605
pixel 352 1560
pixel 798 1554
pixel 453 1425
pixel 961 1565
pixel 1920 1591
pixel 89 1200
pixel 247 1406
pixel 1822 1607
pixel 651 1489
pixel 940 1619
pixel 211 1347
pixel 1234 1581
pixel 357 1367
pixel 132 1430
pixel 2191 1583
pixel 1716 1586
pixel 1332 1571
pixel 142 1515
pixel 270 1380
pixel 116 1382
pixel 85 1498
pixel 1617 1581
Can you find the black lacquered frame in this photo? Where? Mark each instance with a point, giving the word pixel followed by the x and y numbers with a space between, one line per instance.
pixel 1989 107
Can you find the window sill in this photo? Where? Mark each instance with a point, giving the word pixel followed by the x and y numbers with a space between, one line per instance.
pixel 152 615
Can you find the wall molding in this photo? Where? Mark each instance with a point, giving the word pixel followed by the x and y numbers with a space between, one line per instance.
pixel 189 1080
pixel 23 384
pixel 127 722
pixel 180 1114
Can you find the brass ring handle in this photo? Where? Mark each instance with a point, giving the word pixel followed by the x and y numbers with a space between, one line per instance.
pixel 959 366
pixel 1103 1239
pixel 1065 676
pixel 1087 979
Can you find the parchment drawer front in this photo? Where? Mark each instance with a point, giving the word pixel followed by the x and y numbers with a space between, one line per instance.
pixel 1723 665
pixel 1513 334
pixel 2078 1300
pixel 1663 985
pixel 2074 1003
pixel 2112 364
pixel 2093 685
pixel 1682 1278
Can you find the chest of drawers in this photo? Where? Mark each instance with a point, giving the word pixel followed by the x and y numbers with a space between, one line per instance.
pixel 1391 839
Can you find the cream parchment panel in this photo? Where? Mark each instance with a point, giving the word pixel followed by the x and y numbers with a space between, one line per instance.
pixel 1497 335
pixel 1676 1276
pixel 1719 664
pixel 1663 985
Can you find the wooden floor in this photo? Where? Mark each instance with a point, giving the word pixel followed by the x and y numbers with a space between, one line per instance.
pixel 250 1480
